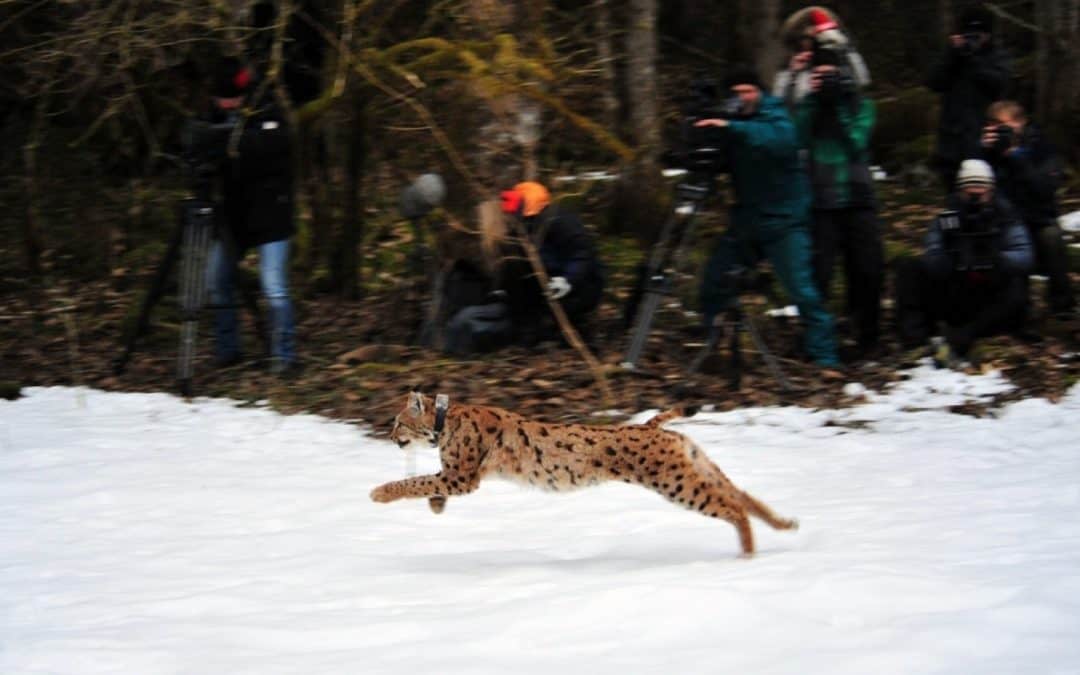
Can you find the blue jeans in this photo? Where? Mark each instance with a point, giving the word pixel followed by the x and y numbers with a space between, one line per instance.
pixel 274 278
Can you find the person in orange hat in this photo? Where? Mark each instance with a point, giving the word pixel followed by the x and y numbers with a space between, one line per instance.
pixel 575 274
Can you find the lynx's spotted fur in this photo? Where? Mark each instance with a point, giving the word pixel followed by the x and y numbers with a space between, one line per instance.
pixel 479 441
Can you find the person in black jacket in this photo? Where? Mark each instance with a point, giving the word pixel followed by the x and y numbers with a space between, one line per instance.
pixel 576 278
pixel 834 122
pixel 1029 172
pixel 972 74
pixel 257 210
pixel 972 275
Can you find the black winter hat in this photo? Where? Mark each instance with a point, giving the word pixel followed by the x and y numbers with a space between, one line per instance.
pixel 231 78
pixel 741 74
pixel 976 20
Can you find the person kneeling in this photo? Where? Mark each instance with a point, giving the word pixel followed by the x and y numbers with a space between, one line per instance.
pixel 972 275
pixel 568 253
pixel 514 308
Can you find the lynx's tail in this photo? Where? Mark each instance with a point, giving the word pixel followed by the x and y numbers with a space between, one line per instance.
pixel 756 508
pixel 666 416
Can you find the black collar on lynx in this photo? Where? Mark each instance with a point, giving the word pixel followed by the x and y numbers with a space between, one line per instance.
pixel 442 403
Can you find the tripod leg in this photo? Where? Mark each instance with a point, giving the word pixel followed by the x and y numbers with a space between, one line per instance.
pixel 656 278
pixel 646 313
pixel 736 351
pixel 430 334
pixel 770 360
pixel 637 292
pixel 713 339
pixel 157 287
pixel 197 240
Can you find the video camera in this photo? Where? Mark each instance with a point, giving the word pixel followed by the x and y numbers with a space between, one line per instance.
pixel 970 240
pixel 704 149
pixel 206 143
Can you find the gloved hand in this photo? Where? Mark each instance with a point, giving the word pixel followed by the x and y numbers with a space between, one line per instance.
pixel 558 287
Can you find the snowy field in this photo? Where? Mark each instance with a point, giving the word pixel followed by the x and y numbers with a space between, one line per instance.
pixel 141 535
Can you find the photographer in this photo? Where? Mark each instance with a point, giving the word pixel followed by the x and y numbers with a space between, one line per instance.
pixel 973 273
pixel 771 213
pixel 1029 173
pixel 253 159
pixel 834 123
pixel 814 35
pixel 971 75
pixel 568 253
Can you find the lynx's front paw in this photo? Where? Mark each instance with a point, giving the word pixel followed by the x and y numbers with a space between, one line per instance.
pixel 382 494
pixel 437 504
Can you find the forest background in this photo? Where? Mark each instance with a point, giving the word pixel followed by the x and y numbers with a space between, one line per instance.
pixel 584 97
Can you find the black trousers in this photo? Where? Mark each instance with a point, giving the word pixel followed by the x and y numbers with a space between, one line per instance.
pixel 970 306
pixel 1053 261
pixel 854 235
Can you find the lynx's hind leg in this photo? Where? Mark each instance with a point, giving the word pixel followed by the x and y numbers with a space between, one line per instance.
pixel 682 481
pixel 754 506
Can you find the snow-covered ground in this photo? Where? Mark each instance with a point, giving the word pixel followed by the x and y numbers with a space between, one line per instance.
pixel 140 534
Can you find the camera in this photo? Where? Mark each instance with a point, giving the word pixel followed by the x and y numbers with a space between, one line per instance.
pixel 970 43
pixel 1004 135
pixel 834 83
pixel 970 239
pixel 704 148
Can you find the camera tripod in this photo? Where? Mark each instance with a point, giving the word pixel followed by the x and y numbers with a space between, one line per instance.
pixel 190 244
pixel 737 322
pixel 657 277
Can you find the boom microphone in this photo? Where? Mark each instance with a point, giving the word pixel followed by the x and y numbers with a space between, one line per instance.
pixel 425 193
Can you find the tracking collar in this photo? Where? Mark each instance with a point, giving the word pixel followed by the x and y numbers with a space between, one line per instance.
pixel 442 404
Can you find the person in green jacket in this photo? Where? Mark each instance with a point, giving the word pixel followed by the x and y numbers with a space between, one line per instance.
pixel 771 212
pixel 834 123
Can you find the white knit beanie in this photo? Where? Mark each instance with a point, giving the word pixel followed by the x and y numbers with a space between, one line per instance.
pixel 974 172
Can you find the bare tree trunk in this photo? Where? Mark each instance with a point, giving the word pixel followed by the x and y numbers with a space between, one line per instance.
pixel 347 266
pixel 510 127
pixel 312 193
pixel 606 52
pixel 759 23
pixel 641 39
pixel 637 202
pixel 1058 70
pixel 32 223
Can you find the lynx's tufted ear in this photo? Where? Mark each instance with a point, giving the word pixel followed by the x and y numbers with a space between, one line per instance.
pixel 416 403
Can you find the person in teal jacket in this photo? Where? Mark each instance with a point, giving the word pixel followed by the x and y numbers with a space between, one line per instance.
pixel 771 214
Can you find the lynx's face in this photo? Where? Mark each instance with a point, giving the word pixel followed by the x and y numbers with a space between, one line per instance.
pixel 416 422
